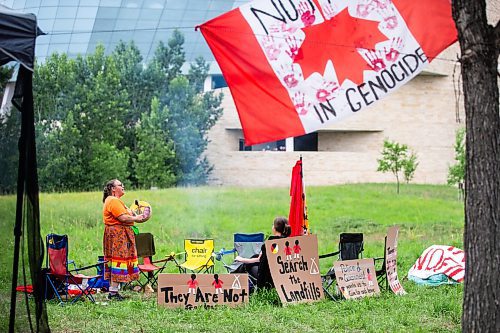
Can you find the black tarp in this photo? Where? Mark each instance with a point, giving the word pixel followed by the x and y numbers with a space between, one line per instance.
pixel 17 37
pixel 18 33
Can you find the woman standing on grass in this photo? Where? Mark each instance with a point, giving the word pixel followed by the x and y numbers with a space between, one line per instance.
pixel 120 253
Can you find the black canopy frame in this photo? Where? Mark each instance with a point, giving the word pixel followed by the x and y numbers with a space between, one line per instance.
pixel 18 33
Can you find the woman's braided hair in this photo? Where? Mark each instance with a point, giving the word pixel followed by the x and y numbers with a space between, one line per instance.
pixel 108 189
pixel 281 225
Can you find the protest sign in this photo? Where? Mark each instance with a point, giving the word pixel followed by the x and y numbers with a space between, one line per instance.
pixel 391 254
pixel 195 290
pixel 356 278
pixel 293 263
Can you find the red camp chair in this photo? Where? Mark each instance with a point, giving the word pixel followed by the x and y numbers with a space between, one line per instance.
pixel 149 269
pixel 66 284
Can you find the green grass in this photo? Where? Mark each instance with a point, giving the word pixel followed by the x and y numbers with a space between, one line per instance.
pixel 426 214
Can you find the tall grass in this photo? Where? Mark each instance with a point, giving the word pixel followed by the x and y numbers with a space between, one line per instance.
pixel 426 214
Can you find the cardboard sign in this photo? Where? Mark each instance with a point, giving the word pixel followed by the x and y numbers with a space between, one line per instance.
pixel 293 263
pixel 193 290
pixel 356 278
pixel 391 254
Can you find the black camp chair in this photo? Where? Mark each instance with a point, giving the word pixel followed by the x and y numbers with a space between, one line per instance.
pixel 381 272
pixel 350 248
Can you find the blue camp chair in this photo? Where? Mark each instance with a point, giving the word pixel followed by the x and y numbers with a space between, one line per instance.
pixel 245 246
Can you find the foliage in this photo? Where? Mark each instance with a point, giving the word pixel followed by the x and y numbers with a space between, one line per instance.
pixel 5 75
pixel 191 114
pixel 10 129
pixel 155 158
pixel 456 172
pixel 427 214
pixel 10 123
pixel 397 158
pixel 409 167
pixel 112 116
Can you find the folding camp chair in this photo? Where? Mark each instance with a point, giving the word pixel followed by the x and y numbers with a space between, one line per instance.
pixel 350 248
pixel 381 273
pixel 63 281
pixel 149 269
pixel 100 282
pixel 245 246
pixel 198 256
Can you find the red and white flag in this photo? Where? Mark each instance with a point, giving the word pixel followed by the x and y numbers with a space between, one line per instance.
pixel 440 259
pixel 294 66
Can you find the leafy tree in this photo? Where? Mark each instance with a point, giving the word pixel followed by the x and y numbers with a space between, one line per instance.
pixel 198 73
pixel 53 89
pixel 5 75
pixel 480 48
pixel 154 164
pixel 100 117
pixel 170 58
pixel 10 127
pixel 396 158
pixel 9 134
pixel 410 165
pixel 191 115
pixel 106 162
pixel 59 156
pixel 456 172
pixel 81 107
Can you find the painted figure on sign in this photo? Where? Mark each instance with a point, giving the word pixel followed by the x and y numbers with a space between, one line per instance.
pixel 369 277
pixel 217 283
pixel 192 284
pixel 296 249
pixel 288 251
pixel 342 291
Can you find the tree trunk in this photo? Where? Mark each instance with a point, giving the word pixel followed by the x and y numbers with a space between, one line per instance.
pixel 478 44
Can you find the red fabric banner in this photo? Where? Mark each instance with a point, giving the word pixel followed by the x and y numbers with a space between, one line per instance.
pixel 297 217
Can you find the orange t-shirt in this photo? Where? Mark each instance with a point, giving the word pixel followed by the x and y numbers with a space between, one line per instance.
pixel 114 207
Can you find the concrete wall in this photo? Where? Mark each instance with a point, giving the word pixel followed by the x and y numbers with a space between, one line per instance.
pixel 423 114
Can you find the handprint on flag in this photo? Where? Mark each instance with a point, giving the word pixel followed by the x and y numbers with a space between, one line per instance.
pixel 365 7
pixel 326 91
pixel 328 10
pixel 293 47
pixel 298 100
pixel 283 28
pixel 306 14
pixel 375 60
pixel 393 53
pixel 290 75
pixel 389 17
pixel 271 48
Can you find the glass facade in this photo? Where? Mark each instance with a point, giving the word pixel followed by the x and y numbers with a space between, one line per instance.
pixel 78 26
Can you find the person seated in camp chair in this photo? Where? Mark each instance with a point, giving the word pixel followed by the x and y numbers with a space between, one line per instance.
pixel 258 266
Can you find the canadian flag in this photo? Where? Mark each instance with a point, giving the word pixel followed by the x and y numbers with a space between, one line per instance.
pixel 295 66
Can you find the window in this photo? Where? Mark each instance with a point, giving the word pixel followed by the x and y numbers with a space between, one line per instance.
pixel 268 146
pixel 218 81
pixel 243 147
pixel 308 142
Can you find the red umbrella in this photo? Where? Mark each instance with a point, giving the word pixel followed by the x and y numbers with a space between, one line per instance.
pixel 298 210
